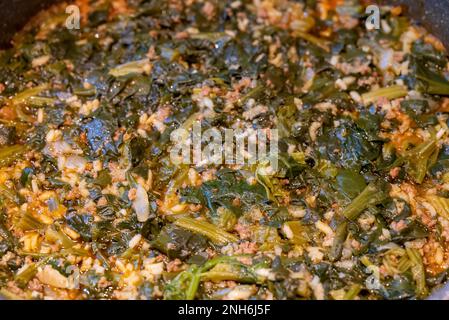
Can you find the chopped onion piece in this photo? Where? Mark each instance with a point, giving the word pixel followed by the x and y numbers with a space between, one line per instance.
pixel 141 205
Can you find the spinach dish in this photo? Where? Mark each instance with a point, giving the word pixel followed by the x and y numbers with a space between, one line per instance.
pixel 92 207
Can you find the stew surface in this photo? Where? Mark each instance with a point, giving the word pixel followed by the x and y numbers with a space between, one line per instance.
pixel 93 205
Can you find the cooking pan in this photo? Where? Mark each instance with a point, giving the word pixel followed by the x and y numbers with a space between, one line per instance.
pixel 432 14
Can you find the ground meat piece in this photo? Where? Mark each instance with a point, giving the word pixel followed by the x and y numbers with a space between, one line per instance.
pixel 247 248
pixel 7 135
